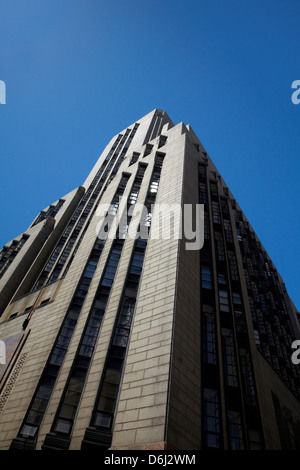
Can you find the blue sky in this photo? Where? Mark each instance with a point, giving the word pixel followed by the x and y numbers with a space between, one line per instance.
pixel 79 71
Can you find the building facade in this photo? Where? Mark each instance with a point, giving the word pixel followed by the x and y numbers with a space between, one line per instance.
pixel 119 334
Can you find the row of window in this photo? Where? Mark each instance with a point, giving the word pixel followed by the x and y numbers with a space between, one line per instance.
pixel 44 390
pixel 161 142
pixel 108 391
pixel 234 349
pixel 212 426
pixel 69 406
pixel 124 151
pixel 70 399
pixel 87 209
pixel 105 406
pixel 84 208
pixel 73 391
pixel 8 254
pixel 273 331
pixel 50 212
pixel 134 158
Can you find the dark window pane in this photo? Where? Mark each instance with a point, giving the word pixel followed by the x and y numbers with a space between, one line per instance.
pixel 63 426
pixel 103 420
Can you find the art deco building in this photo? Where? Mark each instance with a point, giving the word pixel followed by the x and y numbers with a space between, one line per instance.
pixel 115 341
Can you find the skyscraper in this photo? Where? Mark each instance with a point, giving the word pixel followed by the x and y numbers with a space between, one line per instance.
pixel 120 330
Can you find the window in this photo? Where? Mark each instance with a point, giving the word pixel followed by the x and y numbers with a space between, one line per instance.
pixel 256 336
pixel 214 190
pixel 148 149
pixel 111 268
pixel 263 302
pixel 211 421
pixel 270 334
pixel 137 263
pixel 206 280
pixel 245 246
pixel 256 442
pixel 268 269
pixel 162 140
pixel 103 420
pixel 121 337
pixel 255 291
pixel 235 431
pixel 219 246
pixel 247 279
pixel 223 301
pixel 228 232
pixel 202 193
pixel 230 369
pixel 136 185
pixel 225 209
pixel 28 430
pixel 27 309
pixel 216 213
pixel 239 235
pixel 134 158
pixel 247 376
pixel 202 173
pixel 233 266
pixel 126 313
pixel 222 279
pixel 153 187
pixel 63 426
pixel 209 351
pixel 236 298
pixel 240 321
pixel 238 216
pixel 206 227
